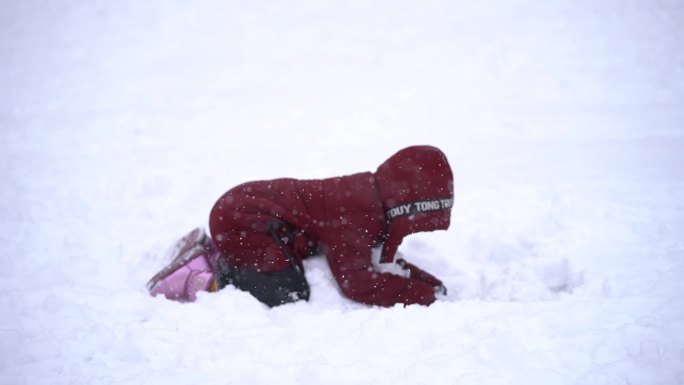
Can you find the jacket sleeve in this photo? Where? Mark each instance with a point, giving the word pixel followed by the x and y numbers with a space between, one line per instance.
pixel 349 256
pixel 419 274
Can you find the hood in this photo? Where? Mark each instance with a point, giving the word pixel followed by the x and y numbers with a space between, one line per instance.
pixel 416 188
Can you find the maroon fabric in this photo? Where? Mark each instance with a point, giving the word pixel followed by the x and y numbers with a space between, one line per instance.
pixel 342 217
pixel 411 175
pixel 419 274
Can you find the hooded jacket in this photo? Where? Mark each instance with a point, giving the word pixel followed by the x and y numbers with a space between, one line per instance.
pixel 272 225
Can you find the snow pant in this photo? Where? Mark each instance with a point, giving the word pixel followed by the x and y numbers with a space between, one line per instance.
pixel 272 288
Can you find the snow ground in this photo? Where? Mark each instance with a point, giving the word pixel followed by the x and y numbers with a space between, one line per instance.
pixel 122 122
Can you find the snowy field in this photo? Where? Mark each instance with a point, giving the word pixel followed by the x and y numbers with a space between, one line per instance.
pixel 122 122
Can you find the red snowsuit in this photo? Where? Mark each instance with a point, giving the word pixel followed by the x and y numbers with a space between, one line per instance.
pixel 270 225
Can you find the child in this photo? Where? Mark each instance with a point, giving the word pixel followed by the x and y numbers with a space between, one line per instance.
pixel 261 231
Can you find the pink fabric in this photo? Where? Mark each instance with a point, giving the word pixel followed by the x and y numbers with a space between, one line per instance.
pixel 191 269
pixel 184 283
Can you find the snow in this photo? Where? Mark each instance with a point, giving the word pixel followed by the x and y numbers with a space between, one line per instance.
pixel 122 122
